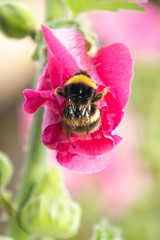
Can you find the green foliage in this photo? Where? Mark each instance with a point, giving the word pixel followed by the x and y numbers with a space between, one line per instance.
pixel 50 211
pixel 5 169
pixel 105 231
pixel 110 5
pixel 17 19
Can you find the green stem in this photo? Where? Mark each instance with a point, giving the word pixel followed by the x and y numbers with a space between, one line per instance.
pixel 6 204
pixel 35 163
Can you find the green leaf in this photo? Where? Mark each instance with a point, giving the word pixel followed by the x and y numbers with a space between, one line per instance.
pixel 105 231
pixel 110 5
pixel 5 169
pixel 50 211
pixel 17 19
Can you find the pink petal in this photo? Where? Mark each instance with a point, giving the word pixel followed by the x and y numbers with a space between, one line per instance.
pixel 115 70
pixel 55 71
pixel 114 119
pixel 52 132
pixel 84 164
pixel 117 139
pixel 36 99
pixel 51 117
pixel 76 44
pixel 33 101
pixel 44 82
pixel 88 147
pixel 111 111
pixel 60 52
pixel 52 136
pixel 112 103
pixel 105 123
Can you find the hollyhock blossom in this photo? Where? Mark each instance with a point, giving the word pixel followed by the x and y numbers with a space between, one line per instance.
pixel 67 53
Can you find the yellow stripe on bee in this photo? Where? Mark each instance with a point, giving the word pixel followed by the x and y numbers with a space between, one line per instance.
pixel 95 116
pixel 81 79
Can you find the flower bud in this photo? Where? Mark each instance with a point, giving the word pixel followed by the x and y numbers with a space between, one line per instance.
pixel 17 19
pixel 50 211
pixel 5 170
pixel 50 184
pixel 58 219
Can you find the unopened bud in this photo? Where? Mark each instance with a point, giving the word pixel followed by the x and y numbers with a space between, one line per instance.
pixel 50 211
pixel 58 219
pixel 17 19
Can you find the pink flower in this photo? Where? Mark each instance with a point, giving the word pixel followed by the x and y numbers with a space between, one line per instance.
pixel 67 53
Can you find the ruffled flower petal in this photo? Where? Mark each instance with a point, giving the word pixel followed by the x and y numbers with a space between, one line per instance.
pixel 37 99
pixel 55 71
pixel 52 136
pixel 60 52
pixel 116 70
pixel 77 46
pixel 84 164
pixel 51 117
pixel 33 101
pixel 88 147
pixel 44 82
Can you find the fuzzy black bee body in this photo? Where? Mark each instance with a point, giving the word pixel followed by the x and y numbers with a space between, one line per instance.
pixel 80 114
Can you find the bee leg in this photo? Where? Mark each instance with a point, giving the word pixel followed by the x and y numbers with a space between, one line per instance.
pixel 87 127
pixel 59 92
pixel 87 130
pixel 69 138
pixel 100 96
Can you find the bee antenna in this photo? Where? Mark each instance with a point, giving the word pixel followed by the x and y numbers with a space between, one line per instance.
pixel 93 67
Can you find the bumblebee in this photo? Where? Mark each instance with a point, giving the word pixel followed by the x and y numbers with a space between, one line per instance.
pixel 80 114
